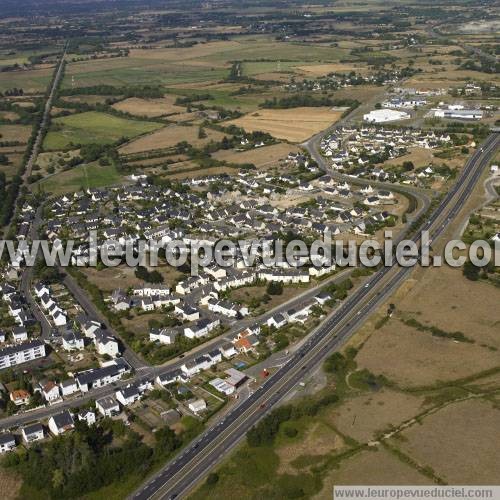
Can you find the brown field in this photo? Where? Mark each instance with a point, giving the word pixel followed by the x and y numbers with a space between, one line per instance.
pixel 294 125
pixel 87 99
pixel 445 299
pixel 8 115
pixel 10 484
pixel 364 416
pixel 267 156
pixel 458 442
pixel 377 467
pixel 15 132
pixel 319 439
pixel 174 54
pixel 168 137
pixel 323 69
pixel 139 324
pixel 111 278
pixel 149 107
pixel 203 173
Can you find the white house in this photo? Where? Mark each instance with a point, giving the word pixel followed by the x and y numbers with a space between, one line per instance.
pixel 197 406
pixel 228 350
pixel 7 442
pixel 19 334
pixel 106 344
pixel 163 335
pixel 107 406
pixel 32 433
pixel 220 385
pixel 72 341
pixel 87 416
pixel 128 395
pixel 50 391
pixel 187 312
pixel 61 423
pixel 68 387
pixel 277 321
pixel 201 328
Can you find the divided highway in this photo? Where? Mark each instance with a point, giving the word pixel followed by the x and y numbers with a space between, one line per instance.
pixel 196 461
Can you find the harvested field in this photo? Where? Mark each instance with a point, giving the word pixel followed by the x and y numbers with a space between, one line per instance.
pixel 149 107
pixel 377 467
pixel 168 137
pixel 87 99
pixel 323 69
pixel 445 299
pixel 319 439
pixel 267 156
pixel 110 278
pixel 15 133
pixel 364 416
pixel 295 125
pixel 458 442
pixel 10 484
pixel 193 174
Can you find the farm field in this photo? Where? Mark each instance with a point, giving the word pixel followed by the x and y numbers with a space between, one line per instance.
pixel 469 425
pixel 264 157
pixel 283 123
pixel 375 466
pixel 443 299
pixel 169 136
pixel 149 107
pixel 78 178
pixel 32 80
pixel 19 133
pixel 93 127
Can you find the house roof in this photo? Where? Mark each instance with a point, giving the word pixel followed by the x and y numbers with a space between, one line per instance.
pixel 32 429
pixel 63 419
pixel 107 402
pixel 6 439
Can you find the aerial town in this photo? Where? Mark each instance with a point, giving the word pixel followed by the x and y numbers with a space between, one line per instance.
pixel 137 139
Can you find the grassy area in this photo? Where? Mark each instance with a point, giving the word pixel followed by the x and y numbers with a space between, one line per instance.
pixel 140 72
pixel 94 127
pixel 81 177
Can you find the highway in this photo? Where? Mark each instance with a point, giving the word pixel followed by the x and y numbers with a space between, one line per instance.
pixel 196 460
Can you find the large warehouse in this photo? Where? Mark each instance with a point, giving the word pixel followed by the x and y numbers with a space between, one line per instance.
pixel 385 115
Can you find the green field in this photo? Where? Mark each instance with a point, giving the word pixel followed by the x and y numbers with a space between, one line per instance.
pixel 138 71
pixel 78 178
pixel 35 80
pixel 94 127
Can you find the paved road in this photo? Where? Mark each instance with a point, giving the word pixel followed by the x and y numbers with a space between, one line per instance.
pixel 150 371
pixel 39 137
pixel 183 472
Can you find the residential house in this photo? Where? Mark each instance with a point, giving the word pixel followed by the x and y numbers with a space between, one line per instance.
pixel 20 397
pixel 68 387
pixel 197 406
pixel 128 395
pixel 88 416
pixel 32 433
pixel 201 328
pixel 7 442
pixel 107 406
pixel 50 391
pixel 72 341
pixel 163 335
pixel 61 423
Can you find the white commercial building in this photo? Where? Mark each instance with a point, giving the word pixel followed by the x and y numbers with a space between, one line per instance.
pixel 385 115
